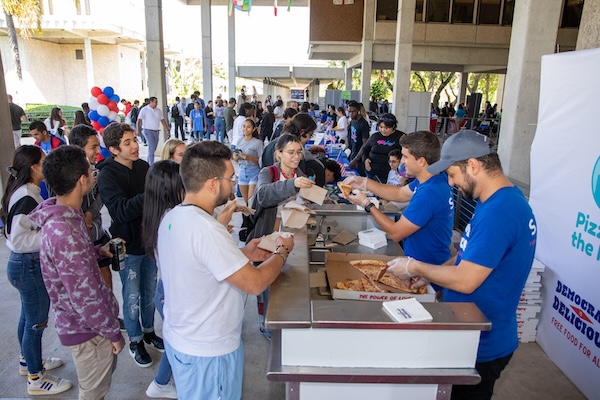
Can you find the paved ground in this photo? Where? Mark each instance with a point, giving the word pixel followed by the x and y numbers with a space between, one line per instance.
pixel 530 375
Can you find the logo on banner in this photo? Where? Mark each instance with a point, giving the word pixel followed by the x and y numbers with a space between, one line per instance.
pixel 596 182
pixel 586 236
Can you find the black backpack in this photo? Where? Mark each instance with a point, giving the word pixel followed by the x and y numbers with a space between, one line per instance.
pixel 175 111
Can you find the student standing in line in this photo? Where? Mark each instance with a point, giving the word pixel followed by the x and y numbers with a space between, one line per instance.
pixel 150 119
pixel 248 151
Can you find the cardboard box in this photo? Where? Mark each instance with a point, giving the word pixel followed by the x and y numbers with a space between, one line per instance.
pixel 338 269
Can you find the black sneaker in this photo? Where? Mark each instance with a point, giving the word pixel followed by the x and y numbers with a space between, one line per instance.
pixel 151 338
pixel 138 352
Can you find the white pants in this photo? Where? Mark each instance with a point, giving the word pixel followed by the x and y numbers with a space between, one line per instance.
pixel 17 138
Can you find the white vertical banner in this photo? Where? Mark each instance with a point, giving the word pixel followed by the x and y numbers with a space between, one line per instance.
pixel 565 197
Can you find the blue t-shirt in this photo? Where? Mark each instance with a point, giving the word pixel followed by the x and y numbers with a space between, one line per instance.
pixel 198 117
pixel 431 208
pixel 500 236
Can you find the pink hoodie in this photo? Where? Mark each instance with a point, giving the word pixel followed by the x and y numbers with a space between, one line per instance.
pixel 83 305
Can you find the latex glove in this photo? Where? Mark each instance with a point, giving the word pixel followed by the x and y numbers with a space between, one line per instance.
pixel 360 198
pixel 357 182
pixel 399 267
pixel 420 282
pixel 303 182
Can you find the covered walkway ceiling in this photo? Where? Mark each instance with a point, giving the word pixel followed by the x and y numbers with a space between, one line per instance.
pixel 291 77
pixel 282 4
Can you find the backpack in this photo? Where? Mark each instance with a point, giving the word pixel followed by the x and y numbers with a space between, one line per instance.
pixel 175 111
pixel 249 222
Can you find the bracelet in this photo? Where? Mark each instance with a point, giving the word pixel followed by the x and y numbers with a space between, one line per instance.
pixel 280 254
pixel 284 246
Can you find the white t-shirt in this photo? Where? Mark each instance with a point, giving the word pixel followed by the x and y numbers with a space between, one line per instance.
pixel 237 134
pixel 151 118
pixel 342 122
pixel 203 313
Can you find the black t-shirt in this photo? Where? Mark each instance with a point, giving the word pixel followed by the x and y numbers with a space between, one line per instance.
pixel 359 130
pixel 377 150
pixel 16 113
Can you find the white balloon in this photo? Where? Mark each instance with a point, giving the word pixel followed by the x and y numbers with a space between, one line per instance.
pixel 93 103
pixel 103 110
pixel 112 116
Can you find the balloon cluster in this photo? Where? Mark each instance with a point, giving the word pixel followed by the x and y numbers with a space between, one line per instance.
pixel 104 107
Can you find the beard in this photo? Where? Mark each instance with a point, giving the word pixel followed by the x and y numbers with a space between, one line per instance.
pixel 469 189
pixel 223 197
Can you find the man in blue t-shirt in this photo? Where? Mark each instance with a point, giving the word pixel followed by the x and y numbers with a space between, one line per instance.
pixel 495 255
pixel 426 224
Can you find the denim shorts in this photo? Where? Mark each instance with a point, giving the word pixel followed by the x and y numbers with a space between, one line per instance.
pixel 248 175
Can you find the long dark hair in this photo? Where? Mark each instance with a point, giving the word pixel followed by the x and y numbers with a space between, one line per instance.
pixel 301 124
pixel 20 174
pixel 164 190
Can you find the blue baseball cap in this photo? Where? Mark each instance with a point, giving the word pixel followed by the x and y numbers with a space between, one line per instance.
pixel 459 147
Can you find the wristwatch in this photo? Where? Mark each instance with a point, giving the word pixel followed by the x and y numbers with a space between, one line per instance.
pixel 368 207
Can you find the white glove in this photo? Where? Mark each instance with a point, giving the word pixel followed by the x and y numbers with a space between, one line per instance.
pixel 357 182
pixel 399 267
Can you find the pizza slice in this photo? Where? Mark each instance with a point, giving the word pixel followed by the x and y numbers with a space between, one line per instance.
pixel 373 269
pixel 373 286
pixel 355 284
pixel 345 188
pixel 397 283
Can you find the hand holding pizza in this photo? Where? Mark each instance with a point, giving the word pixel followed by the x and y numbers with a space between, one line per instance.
pixel 399 267
pixel 357 182
pixel 360 198
pixel 419 282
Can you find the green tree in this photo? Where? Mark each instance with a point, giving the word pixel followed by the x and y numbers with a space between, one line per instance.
pixel 379 90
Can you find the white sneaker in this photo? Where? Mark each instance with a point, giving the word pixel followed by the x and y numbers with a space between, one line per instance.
pixel 157 391
pixel 48 363
pixel 43 384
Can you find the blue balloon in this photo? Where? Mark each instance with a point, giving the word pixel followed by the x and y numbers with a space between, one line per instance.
pixel 93 115
pixel 115 98
pixel 103 121
pixel 108 91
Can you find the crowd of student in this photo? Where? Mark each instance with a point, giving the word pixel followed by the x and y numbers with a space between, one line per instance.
pixel 173 216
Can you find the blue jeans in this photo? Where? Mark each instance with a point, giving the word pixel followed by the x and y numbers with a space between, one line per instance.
pixel 152 139
pixel 139 286
pixel 209 124
pixel 25 275
pixel 220 129
pixel 164 373
pixel 208 377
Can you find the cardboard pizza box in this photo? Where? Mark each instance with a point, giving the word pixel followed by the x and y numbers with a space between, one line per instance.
pixel 338 269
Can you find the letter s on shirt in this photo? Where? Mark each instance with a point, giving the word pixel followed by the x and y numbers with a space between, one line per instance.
pixel 532 226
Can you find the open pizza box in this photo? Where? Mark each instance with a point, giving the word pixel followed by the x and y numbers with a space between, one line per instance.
pixel 339 269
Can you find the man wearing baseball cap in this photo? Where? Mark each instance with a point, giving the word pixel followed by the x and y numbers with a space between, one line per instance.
pixel 495 255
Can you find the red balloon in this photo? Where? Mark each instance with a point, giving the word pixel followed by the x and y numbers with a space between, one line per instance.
pixel 96 125
pixel 102 99
pixel 96 91
pixel 112 106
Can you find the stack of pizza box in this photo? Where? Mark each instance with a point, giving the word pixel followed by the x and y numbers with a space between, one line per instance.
pixel 530 304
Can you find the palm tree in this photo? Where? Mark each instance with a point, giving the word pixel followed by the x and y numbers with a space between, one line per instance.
pixel 29 14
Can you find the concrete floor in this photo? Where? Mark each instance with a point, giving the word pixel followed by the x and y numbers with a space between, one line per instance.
pixel 530 375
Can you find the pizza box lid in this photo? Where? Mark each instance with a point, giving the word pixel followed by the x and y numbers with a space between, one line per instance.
pixel 338 269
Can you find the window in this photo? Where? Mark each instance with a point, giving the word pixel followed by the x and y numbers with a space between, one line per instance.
pixel 438 11
pixel 509 10
pixel 462 11
pixel 572 10
pixel 79 54
pixel 419 10
pixel 387 10
pixel 489 12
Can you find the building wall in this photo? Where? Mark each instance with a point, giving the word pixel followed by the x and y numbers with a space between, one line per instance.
pixel 329 22
pixel 52 74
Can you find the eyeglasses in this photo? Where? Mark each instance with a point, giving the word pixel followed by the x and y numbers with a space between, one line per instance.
pixel 293 153
pixel 233 179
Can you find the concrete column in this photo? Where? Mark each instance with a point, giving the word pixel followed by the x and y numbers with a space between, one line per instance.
pixel 403 60
pixel 589 29
pixel 7 144
pixel 89 62
pixel 155 55
pixel 462 91
pixel 348 79
pixel 231 53
pixel 316 91
pixel 500 92
pixel 367 50
pixel 205 22
pixel 534 30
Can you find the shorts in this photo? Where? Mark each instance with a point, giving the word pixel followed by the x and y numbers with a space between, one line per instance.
pixel 248 175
